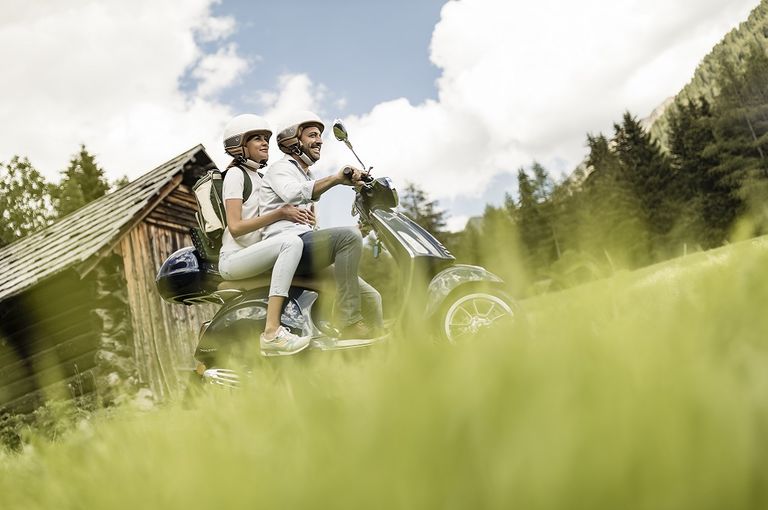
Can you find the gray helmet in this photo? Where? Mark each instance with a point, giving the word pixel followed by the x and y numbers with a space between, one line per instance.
pixel 288 138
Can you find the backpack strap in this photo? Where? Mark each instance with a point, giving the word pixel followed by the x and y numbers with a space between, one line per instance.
pixel 247 184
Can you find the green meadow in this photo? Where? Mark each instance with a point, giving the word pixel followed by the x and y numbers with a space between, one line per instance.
pixel 648 389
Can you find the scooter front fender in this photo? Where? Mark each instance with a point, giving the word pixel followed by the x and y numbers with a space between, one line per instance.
pixel 453 277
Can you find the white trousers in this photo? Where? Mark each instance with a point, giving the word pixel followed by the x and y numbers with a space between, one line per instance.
pixel 281 252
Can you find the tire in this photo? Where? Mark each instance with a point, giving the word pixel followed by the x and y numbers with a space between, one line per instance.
pixel 469 311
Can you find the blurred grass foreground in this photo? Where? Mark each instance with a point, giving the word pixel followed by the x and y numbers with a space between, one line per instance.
pixel 645 390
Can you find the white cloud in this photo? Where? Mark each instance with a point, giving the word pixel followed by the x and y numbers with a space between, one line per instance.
pixel 294 92
pixel 457 223
pixel 340 103
pixel 107 73
pixel 523 81
pixel 520 81
pixel 215 28
pixel 218 71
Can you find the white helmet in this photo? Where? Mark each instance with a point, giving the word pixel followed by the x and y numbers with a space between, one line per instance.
pixel 239 130
pixel 288 137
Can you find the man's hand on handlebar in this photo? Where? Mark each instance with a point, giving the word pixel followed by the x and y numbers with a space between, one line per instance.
pixel 349 175
pixel 352 176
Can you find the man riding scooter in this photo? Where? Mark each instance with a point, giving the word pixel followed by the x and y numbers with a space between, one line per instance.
pixel 358 310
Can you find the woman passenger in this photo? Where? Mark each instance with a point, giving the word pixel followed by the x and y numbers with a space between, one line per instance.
pixel 243 254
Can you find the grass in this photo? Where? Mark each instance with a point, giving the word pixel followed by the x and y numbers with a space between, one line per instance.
pixel 646 390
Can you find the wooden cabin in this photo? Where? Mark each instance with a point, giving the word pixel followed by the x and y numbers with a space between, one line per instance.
pixel 79 313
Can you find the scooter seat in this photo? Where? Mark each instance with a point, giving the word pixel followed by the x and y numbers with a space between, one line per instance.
pixel 321 282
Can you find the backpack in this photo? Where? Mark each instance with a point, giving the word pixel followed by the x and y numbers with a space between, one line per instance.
pixel 211 215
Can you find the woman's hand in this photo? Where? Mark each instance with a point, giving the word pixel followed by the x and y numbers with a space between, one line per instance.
pixel 297 214
pixel 311 211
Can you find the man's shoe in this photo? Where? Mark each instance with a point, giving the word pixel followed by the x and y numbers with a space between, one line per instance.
pixel 357 331
pixel 359 334
pixel 284 343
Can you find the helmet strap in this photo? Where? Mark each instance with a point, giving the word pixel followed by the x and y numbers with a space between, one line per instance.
pixel 241 161
pixel 304 155
pixel 298 151
pixel 250 163
pixel 244 160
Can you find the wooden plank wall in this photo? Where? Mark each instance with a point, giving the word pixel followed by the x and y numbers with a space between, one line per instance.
pixel 165 335
pixel 49 341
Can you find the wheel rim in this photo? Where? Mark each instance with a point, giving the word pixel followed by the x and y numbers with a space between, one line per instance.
pixel 473 312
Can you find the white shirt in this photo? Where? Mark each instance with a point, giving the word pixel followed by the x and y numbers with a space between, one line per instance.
pixel 285 183
pixel 233 188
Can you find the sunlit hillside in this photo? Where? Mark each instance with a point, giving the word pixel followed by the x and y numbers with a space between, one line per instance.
pixel 731 51
pixel 645 390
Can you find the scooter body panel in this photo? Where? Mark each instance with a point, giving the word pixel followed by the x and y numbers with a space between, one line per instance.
pixel 402 236
pixel 242 319
pixel 447 280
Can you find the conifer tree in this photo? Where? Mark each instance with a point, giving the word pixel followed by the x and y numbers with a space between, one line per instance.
pixel 610 214
pixel 24 200
pixel 533 216
pixel 415 204
pixel 650 178
pixel 82 182
pixel 548 205
pixel 741 129
pixel 493 241
pixel 710 205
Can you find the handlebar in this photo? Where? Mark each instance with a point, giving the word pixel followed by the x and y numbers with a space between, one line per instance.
pixel 365 177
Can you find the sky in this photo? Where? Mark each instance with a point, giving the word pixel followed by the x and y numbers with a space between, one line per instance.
pixel 454 96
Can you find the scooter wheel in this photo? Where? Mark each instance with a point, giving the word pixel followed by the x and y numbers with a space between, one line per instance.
pixel 472 311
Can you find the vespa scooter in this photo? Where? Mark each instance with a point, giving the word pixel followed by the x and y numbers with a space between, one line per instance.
pixel 457 300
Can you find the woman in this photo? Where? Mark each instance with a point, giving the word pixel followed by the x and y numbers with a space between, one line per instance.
pixel 243 254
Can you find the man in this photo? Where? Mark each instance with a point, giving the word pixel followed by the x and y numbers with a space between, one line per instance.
pixel 288 181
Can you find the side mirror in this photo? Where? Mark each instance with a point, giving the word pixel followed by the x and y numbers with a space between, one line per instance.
pixel 339 131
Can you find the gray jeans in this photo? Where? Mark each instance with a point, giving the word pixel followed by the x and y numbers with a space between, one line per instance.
pixel 342 247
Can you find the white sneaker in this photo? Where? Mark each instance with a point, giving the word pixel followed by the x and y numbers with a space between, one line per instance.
pixel 284 343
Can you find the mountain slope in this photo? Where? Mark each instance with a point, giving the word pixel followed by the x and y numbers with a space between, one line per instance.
pixel 733 48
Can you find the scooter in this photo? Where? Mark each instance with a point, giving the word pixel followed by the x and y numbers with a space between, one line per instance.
pixel 457 300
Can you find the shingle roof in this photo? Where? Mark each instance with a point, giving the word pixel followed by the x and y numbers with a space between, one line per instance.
pixel 90 231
